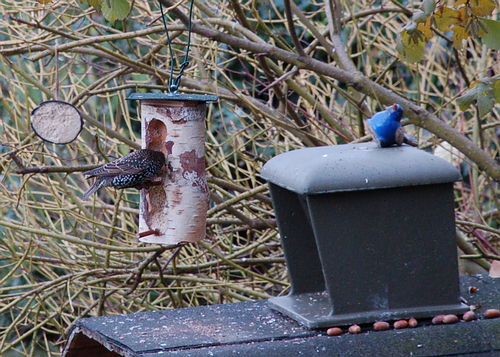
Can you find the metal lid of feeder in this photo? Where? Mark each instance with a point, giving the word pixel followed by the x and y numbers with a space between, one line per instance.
pixel 173 97
pixel 354 167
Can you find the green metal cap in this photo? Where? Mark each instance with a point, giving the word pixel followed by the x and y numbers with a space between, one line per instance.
pixel 355 167
pixel 173 96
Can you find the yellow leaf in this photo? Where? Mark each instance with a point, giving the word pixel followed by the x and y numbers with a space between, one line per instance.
pixel 462 18
pixel 459 3
pixel 95 3
pixel 459 34
pixel 44 1
pixel 473 83
pixel 425 28
pixel 409 49
pixel 445 17
pixel 482 7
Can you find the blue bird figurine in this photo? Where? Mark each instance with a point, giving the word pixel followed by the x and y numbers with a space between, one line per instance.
pixel 385 128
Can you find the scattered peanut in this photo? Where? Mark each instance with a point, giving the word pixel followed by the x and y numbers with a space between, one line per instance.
pixel 450 319
pixel 438 319
pixel 491 313
pixel 354 329
pixel 472 289
pixel 413 322
pixel 469 316
pixel 401 324
pixel 381 326
pixel 334 331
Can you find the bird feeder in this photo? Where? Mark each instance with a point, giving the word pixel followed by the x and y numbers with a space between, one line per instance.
pixel 56 122
pixel 368 233
pixel 175 210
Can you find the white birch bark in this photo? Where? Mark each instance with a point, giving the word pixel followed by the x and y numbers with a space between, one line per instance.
pixel 178 207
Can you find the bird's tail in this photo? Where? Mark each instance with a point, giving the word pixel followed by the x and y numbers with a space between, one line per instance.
pixel 97 185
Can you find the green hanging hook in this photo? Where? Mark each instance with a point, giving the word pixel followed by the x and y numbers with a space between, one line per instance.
pixel 173 84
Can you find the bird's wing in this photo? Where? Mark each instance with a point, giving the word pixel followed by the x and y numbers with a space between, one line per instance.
pixel 117 167
pixel 400 136
pixel 372 132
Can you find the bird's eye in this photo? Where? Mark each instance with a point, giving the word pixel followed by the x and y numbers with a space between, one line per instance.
pixel 395 107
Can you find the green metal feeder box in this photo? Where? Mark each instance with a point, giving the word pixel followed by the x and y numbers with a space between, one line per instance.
pixel 368 233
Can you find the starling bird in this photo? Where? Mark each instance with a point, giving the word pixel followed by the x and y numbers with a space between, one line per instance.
pixel 136 169
pixel 386 129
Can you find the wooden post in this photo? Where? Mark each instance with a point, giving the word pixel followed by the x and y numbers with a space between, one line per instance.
pixel 175 211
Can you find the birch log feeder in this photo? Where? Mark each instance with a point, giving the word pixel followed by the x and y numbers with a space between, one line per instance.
pixel 174 211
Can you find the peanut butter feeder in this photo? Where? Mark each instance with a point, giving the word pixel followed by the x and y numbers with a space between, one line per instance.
pixel 174 210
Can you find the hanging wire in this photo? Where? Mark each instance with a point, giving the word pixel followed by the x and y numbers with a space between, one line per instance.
pixel 173 84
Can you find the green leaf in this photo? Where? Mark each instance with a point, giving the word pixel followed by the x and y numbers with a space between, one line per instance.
pixel 419 16
pixel 492 36
pixel 115 9
pixel 496 90
pixel 467 99
pixel 485 92
pixel 485 98
pixel 428 6
pixel 96 4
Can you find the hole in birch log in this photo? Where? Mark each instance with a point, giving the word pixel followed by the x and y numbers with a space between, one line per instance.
pixel 156 134
pixel 56 122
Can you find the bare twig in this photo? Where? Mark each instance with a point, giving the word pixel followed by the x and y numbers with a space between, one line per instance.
pixel 49 169
pixel 161 269
pixel 291 29
pixel 140 270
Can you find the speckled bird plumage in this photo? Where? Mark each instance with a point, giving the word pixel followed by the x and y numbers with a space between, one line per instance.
pixel 385 126
pixel 133 170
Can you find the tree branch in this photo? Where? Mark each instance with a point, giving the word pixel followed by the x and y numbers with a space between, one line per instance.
pixel 49 169
pixel 416 114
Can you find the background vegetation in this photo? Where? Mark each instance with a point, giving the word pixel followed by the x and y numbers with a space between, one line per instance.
pixel 62 258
